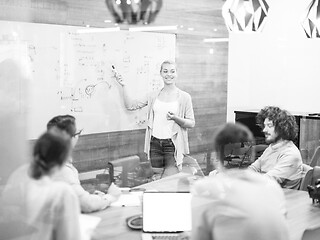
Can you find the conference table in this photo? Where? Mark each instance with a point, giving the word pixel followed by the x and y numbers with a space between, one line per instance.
pixel 302 214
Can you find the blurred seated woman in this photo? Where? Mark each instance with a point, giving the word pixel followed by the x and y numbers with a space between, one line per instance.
pixel 50 210
pixel 237 204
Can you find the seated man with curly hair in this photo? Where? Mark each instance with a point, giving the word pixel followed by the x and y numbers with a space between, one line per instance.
pixel 282 159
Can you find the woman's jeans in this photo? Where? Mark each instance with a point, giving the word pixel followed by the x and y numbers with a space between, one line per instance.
pixel 162 155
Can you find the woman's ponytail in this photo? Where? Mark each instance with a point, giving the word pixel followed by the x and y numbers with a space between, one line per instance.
pixel 49 151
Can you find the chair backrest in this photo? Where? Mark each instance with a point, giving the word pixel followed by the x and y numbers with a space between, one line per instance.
pixel 311 234
pixel 122 167
pixel 316 174
pixel 312 174
pixel 232 149
pixel 307 179
pixel 238 154
pixel 315 157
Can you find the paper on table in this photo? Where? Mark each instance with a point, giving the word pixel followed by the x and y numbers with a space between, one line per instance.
pixel 128 200
pixel 87 225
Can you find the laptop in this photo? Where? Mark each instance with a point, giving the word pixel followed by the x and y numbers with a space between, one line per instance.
pixel 165 214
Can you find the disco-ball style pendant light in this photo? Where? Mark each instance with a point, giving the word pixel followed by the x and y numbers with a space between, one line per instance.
pixel 311 22
pixel 134 11
pixel 245 15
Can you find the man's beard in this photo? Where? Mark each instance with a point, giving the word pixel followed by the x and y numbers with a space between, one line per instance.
pixel 271 140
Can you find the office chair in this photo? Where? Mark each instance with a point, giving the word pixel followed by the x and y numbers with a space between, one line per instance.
pixel 311 234
pixel 120 170
pixel 237 155
pixel 315 157
pixel 231 153
pixel 312 174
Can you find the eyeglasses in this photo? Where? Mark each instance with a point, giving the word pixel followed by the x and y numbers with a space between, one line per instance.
pixel 77 133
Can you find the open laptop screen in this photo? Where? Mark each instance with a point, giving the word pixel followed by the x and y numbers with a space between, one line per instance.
pixel 166 212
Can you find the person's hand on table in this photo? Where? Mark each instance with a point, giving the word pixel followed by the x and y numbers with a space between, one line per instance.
pixel 99 193
pixel 113 192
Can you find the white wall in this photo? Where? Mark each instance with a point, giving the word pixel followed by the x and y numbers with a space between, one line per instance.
pixel 279 66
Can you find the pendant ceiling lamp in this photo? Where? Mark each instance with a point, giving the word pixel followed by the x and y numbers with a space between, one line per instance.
pixel 311 22
pixel 134 11
pixel 245 15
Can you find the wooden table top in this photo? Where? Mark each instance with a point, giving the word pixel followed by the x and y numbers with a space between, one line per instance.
pixel 302 213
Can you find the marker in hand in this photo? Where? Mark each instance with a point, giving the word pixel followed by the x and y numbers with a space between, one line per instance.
pixel 117 76
pixel 170 115
pixel 113 69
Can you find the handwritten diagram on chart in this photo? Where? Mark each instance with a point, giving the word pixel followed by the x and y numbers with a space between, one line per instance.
pixel 71 73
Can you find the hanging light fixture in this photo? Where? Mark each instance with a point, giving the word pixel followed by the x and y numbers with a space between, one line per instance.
pixel 311 22
pixel 245 15
pixel 134 11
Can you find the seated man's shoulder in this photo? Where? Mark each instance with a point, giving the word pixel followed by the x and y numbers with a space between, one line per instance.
pixel 63 192
pixel 247 175
pixel 289 145
pixel 219 178
pixel 61 187
pixel 67 168
pixel 66 174
pixel 208 186
pixel 223 182
pixel 256 183
pixel 292 150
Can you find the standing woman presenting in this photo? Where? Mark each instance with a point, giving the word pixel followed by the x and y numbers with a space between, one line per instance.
pixel 170 114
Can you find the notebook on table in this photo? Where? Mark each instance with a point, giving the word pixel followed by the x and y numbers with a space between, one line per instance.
pixel 165 214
